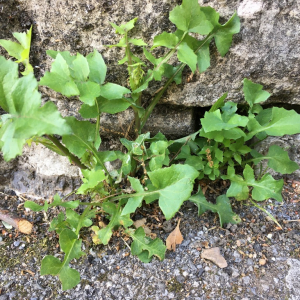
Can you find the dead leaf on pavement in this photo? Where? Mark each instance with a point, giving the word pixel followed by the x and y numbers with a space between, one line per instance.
pixel 174 238
pixel 215 256
pixel 141 223
pixel 204 244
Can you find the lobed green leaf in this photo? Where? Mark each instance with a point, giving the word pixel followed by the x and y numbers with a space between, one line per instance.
pixel 50 265
pixel 165 39
pixel 254 93
pixel 142 243
pixel 278 160
pixel 172 186
pixel 116 220
pixel 282 122
pixel 189 17
pixel 82 137
pixel 222 207
pixel 265 188
pixel 26 118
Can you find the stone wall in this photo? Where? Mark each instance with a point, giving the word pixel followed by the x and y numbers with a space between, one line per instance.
pixel 265 51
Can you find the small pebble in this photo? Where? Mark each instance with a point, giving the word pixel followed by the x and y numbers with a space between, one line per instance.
pixel 262 261
pixel 16 243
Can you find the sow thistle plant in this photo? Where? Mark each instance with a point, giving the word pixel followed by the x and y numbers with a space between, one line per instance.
pixel 155 168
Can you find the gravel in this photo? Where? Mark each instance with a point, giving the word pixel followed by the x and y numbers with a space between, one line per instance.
pixel 263 261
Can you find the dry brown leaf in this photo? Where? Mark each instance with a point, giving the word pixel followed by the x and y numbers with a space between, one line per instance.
pixel 101 224
pixel 204 244
pixel 174 238
pixel 139 223
pixel 214 255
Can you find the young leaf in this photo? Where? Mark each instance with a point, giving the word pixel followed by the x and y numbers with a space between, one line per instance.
pixel 76 75
pixel 134 147
pixel 168 71
pixel 189 17
pixel 142 243
pixel 20 51
pixel 222 207
pixel 203 57
pixel 116 220
pixel 36 207
pixel 68 204
pixel 223 34
pixel 97 67
pixel 77 221
pixel 165 39
pixel 112 91
pixel 59 79
pixel 65 54
pixel 238 187
pixel 91 179
pixel 58 223
pixel 80 68
pixel 161 155
pixel 253 92
pixel 217 126
pixel 186 55
pixel 137 42
pixel 21 99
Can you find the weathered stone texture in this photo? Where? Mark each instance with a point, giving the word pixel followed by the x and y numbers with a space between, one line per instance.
pixel 265 51
pixel 172 122
pixel 43 172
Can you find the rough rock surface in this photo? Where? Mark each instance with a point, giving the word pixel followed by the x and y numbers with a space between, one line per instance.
pixel 42 172
pixel 265 51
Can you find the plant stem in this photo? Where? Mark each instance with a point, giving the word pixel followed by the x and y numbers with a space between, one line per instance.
pixel 124 196
pixel 97 122
pixel 257 142
pixel 61 147
pixel 130 68
pixel 94 151
pixel 137 119
pixel 159 95
pixel 156 99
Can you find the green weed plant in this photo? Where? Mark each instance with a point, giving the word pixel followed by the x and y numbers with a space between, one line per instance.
pixel 155 168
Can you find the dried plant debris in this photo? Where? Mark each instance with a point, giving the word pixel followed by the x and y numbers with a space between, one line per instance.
pixel 174 238
pixel 214 255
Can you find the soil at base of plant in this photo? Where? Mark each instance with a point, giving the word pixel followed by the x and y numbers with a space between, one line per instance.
pixel 262 259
